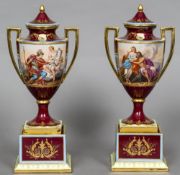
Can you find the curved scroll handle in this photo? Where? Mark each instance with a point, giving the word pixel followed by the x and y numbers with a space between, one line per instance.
pixel 76 31
pixel 106 34
pixel 9 31
pixel 163 36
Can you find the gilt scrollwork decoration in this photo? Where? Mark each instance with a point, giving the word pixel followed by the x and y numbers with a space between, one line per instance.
pixel 42 150
pixel 139 147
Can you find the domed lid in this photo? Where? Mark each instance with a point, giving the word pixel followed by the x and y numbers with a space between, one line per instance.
pixel 139 20
pixel 42 21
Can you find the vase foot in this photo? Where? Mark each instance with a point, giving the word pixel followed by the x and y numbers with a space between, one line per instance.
pixel 138 122
pixel 43 118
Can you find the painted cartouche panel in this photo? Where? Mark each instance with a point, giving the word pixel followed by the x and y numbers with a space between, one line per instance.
pixel 139 146
pixel 42 64
pixel 138 63
pixel 42 148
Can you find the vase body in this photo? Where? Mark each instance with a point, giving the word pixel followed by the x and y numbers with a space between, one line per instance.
pixel 42 67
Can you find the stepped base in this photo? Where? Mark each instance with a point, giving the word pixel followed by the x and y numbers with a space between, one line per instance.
pixel 136 166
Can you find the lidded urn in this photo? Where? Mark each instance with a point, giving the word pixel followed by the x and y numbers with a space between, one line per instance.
pixel 139 60
pixel 42 62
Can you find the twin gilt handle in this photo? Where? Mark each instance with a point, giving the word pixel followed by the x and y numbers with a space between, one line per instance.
pixel 116 33
pixel 66 33
pixel 106 34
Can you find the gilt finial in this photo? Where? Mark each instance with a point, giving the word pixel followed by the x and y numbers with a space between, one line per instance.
pixel 140 8
pixel 42 8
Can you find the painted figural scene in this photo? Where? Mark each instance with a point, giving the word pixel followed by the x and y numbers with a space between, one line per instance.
pixel 43 65
pixel 139 62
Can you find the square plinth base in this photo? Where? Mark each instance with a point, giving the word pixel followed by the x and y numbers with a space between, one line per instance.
pixel 43 167
pixel 137 128
pixel 137 166
pixel 42 130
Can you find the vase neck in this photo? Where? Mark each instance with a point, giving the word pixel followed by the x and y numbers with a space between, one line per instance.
pixel 138 116
pixel 43 118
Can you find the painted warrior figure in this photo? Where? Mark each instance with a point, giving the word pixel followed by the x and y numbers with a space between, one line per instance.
pixel 35 65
